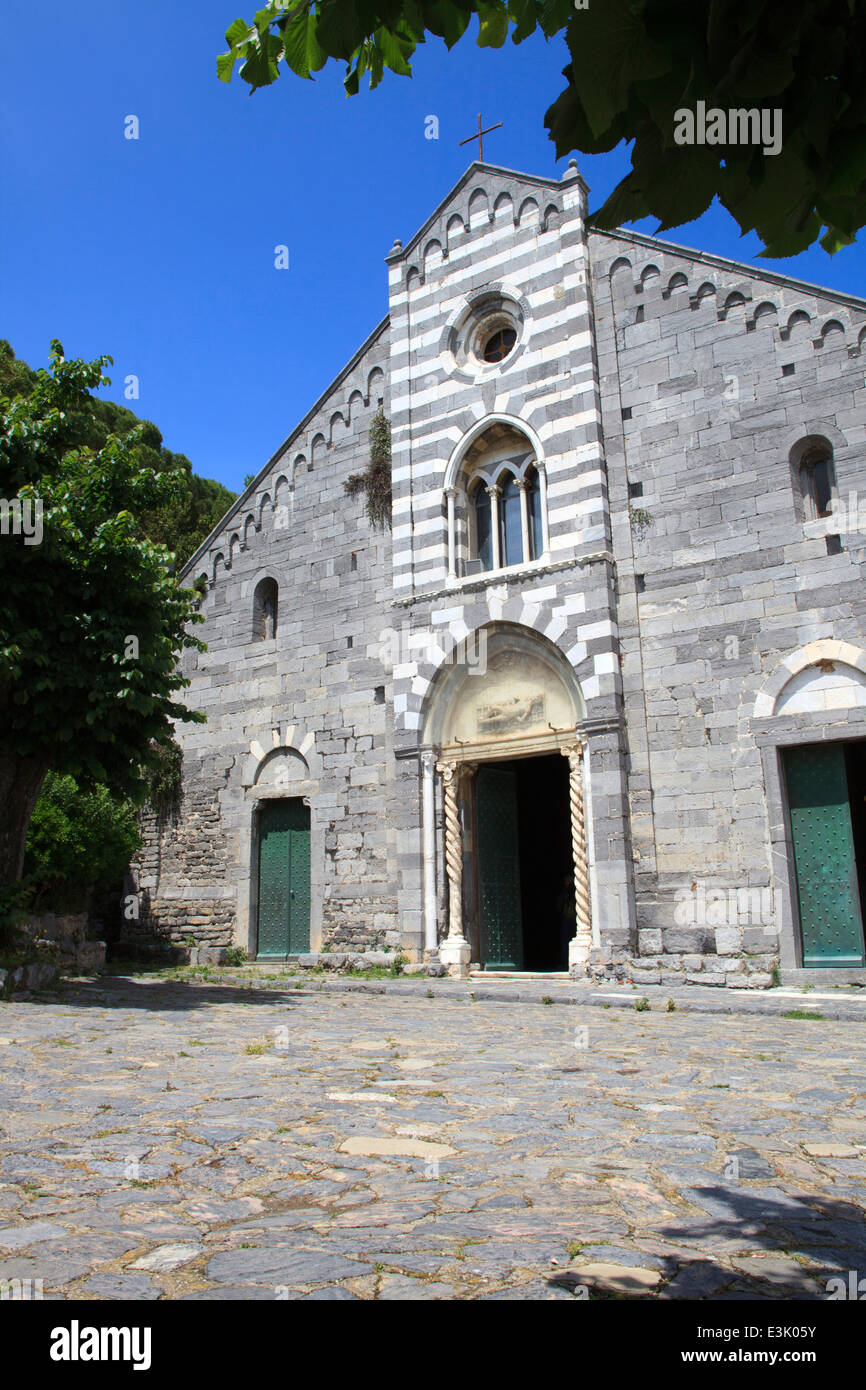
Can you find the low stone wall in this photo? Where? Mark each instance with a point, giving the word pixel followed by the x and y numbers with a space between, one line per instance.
pixel 344 960
pixel 37 975
pixel 66 935
pixel 756 971
pixel 169 925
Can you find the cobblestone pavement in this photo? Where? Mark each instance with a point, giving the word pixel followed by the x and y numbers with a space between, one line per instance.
pixel 192 1141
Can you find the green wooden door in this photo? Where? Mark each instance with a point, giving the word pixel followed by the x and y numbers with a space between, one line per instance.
pixel 501 928
pixel 284 879
pixel 827 885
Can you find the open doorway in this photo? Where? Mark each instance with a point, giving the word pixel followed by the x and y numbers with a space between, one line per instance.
pixel 525 871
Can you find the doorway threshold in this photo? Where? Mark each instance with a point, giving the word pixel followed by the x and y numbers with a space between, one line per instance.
pixel 554 975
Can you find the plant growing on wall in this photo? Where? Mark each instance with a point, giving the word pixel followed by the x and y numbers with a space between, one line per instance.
pixel 641 520
pixel 165 778
pixel 375 481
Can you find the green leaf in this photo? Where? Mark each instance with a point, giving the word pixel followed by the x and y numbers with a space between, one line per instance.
pixel 494 23
pixel 340 29
pixel 610 51
pixel 626 203
pixel 303 52
pixel 681 187
pixel 262 64
pixel 225 66
pixel 554 15
pixel 449 21
pixel 238 33
pixel 833 240
pixel 394 52
pixel 524 14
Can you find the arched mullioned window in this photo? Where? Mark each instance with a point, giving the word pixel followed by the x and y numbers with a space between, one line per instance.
pixel 265 602
pixel 496 504
pixel 508 527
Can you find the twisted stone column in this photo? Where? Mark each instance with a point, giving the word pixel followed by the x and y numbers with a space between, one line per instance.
pixel 454 951
pixel 581 943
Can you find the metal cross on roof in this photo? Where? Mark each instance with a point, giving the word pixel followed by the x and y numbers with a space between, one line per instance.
pixel 479 134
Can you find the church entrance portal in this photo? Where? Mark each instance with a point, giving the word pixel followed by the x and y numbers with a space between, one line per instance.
pixel 525 910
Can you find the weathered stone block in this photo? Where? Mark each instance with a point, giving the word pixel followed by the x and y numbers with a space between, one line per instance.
pixel 728 941
pixel 689 941
pixel 649 941
pixel 757 980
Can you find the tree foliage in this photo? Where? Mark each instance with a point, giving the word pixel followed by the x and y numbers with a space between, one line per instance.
pixel 633 65
pixel 92 618
pixel 197 503
pixel 77 840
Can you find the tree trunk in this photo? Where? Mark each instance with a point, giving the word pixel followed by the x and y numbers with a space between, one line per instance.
pixel 20 783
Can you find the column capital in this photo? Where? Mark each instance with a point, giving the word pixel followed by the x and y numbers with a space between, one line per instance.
pixel 428 760
pixel 452 770
pixel 574 750
pixel 493 490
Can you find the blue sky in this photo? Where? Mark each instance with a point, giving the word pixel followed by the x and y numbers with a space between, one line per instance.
pixel 160 251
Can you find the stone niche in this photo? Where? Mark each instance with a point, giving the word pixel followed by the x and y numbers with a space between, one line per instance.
pixel 511 686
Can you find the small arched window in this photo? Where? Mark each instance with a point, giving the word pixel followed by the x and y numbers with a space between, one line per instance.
pixel 265 602
pixel 483 532
pixel 814 477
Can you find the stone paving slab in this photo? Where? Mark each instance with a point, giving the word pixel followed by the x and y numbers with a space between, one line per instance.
pixel 832 1002
pixel 210 1140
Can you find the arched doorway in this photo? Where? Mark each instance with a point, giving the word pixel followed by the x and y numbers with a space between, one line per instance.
pixel 283 879
pixel 281 869
pixel 502 721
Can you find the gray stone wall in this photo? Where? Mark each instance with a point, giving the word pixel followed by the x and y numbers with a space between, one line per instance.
pixel 709 377
pixel 315 696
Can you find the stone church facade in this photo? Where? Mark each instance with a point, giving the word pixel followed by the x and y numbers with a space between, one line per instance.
pixel 597 701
